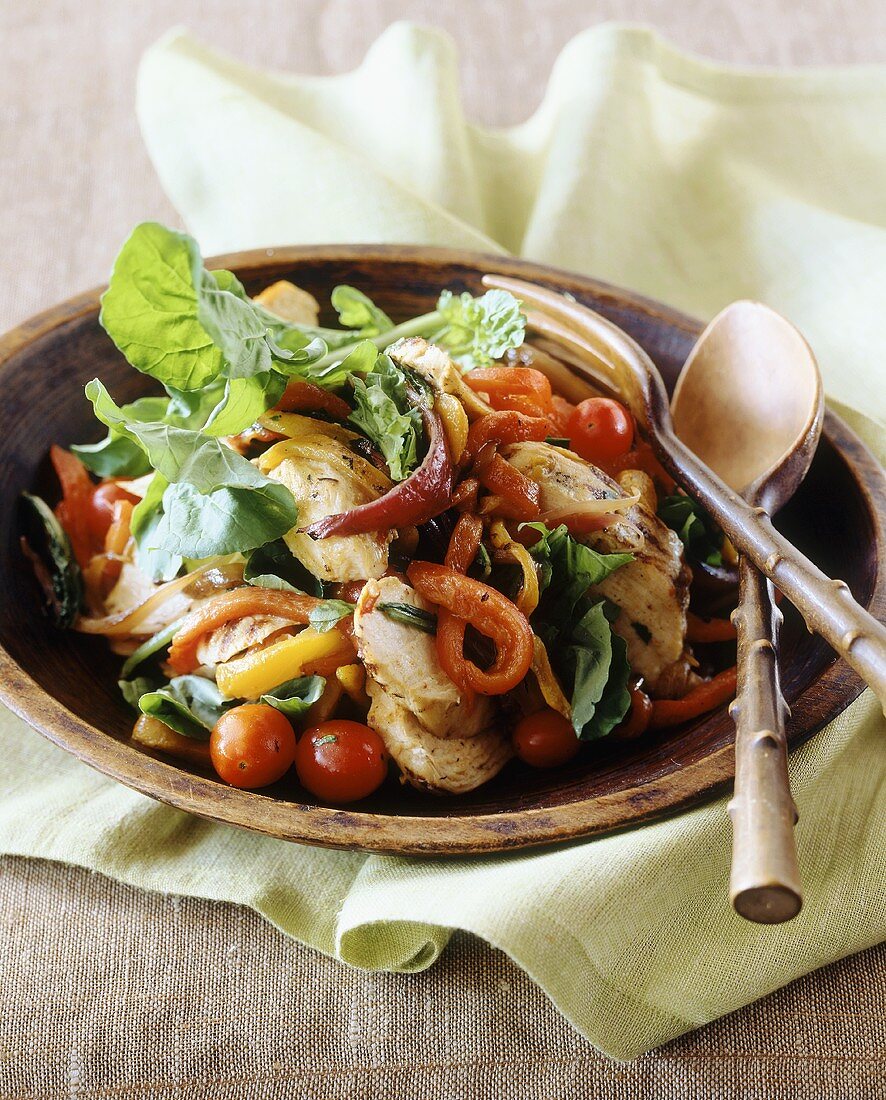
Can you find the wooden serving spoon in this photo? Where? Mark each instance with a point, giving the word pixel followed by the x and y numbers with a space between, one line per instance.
pixel 609 354
pixel 749 404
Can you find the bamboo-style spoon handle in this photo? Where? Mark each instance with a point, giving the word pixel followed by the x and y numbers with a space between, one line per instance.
pixel 827 605
pixel 765 882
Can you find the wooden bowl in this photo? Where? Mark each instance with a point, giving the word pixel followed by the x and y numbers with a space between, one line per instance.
pixel 64 684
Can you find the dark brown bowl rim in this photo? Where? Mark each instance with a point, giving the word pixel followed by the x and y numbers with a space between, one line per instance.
pixel 416 835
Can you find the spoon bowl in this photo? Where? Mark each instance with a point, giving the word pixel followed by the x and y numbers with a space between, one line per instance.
pixel 749 403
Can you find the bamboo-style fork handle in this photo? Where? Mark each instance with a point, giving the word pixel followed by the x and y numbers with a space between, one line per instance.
pixel 765 881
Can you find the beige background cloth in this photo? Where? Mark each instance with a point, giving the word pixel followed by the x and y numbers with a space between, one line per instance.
pixel 109 992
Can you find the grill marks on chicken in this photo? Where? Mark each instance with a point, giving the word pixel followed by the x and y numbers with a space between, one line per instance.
pixel 415 707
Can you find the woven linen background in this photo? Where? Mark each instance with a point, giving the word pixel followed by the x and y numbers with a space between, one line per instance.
pixel 109 992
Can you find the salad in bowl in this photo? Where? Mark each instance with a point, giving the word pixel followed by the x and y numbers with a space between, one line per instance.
pixel 371 544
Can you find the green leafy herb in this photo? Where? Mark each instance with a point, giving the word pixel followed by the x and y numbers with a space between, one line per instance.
pixel 597 659
pixel 154 560
pixel 190 705
pixel 567 569
pixel 147 649
pixel 133 690
pixel 477 330
pixel 294 697
pixel 117 456
pixel 356 311
pixel 557 441
pixel 54 563
pixel 384 413
pixel 214 502
pixel 326 739
pixel 483 562
pixel 698 532
pixel 275 566
pixel 327 614
pixel 590 660
pixel 410 616
pixel 473 331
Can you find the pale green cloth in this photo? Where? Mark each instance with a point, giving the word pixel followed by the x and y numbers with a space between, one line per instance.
pixel 649 169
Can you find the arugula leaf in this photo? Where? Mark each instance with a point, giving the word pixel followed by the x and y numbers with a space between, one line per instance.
pixel 227 520
pixel 275 566
pixel 597 660
pixel 478 330
pixel 383 412
pixel 150 309
pixel 702 538
pixel 133 690
pixel 567 569
pixel 325 615
pixel 294 697
pixel 150 556
pixel 214 502
pixel 190 705
pixel 115 455
pixel 357 311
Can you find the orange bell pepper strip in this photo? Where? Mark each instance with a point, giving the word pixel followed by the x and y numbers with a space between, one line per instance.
pixel 72 510
pixel 301 396
pixel 521 497
pixel 464 498
pixel 464 543
pixel 228 606
pixel 708 630
pixel 489 612
pixel 707 696
pixel 504 427
pixel 522 388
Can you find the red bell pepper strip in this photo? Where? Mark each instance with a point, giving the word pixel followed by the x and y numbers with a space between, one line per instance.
pixel 523 388
pixel 423 495
pixel 73 509
pixel 489 612
pixel 301 396
pixel 521 495
pixel 712 693
pixel 228 606
pixel 504 427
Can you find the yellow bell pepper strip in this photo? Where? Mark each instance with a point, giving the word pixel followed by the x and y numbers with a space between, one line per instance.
pixel 353 679
pixel 260 671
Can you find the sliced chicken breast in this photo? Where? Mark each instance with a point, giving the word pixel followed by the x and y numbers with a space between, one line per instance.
pixel 237 636
pixel 415 708
pixel 435 366
pixel 653 590
pixel 326 477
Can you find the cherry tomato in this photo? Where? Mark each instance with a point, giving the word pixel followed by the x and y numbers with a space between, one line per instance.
pixel 600 430
pixel 252 745
pixel 101 507
pixel 545 739
pixel 340 761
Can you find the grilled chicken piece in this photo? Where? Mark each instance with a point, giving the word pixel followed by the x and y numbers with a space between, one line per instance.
pixel 237 636
pixel 290 302
pixel 653 590
pixel 435 366
pixel 134 587
pixel 415 707
pixel 326 477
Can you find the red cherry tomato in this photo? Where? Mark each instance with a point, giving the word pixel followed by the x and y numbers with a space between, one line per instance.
pixel 340 761
pixel 101 507
pixel 252 745
pixel 600 430
pixel 545 739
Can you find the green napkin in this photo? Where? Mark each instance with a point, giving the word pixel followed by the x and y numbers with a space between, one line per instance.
pixel 649 169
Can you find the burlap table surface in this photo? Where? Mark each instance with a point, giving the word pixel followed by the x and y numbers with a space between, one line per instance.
pixel 106 991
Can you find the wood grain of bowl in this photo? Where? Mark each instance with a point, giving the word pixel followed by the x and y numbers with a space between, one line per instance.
pixel 64 684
